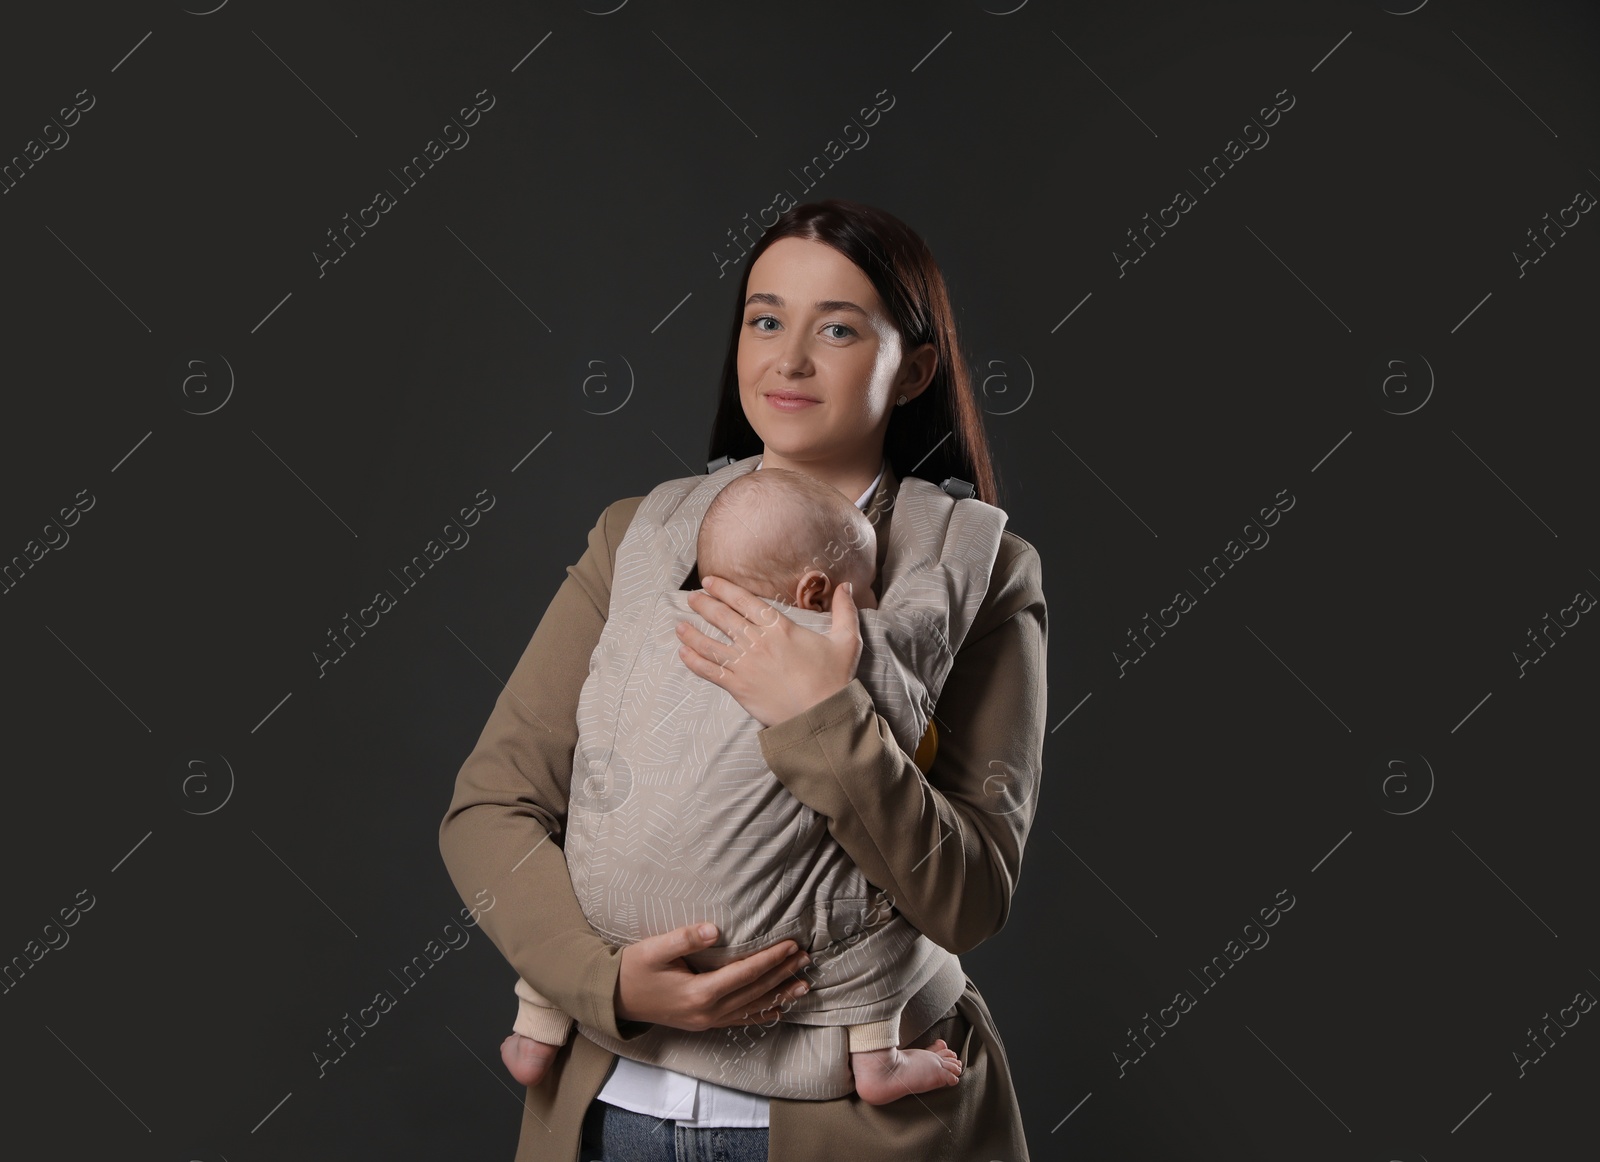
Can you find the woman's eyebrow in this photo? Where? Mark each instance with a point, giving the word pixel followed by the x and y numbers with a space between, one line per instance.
pixel 824 305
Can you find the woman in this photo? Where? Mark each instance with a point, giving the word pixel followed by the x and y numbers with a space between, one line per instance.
pixel 843 312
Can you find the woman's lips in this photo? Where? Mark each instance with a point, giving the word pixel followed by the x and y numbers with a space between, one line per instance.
pixel 790 403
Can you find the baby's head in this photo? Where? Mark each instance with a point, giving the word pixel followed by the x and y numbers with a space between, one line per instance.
pixel 785 535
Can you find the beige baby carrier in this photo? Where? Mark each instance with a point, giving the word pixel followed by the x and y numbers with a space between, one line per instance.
pixel 676 818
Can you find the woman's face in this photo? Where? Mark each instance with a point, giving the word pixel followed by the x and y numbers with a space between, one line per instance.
pixel 815 327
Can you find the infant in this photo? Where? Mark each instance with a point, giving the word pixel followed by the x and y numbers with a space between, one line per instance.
pixel 787 536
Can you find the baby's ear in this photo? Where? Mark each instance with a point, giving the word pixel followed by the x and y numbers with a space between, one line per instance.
pixel 809 591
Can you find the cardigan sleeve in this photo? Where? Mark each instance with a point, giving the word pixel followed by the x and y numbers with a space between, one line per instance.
pixel 946 846
pixel 502 829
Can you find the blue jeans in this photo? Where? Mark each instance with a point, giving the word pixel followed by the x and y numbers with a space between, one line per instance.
pixel 613 1134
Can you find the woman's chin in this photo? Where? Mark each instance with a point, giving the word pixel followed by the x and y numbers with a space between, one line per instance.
pixel 781 440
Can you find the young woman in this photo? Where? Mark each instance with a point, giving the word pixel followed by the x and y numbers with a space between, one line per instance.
pixel 843 364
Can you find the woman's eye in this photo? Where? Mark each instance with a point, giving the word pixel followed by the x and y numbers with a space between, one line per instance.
pixel 759 319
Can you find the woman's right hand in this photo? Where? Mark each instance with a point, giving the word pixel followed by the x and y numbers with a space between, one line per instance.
pixel 656 984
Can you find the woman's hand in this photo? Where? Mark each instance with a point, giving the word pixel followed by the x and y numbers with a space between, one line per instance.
pixel 772 666
pixel 657 985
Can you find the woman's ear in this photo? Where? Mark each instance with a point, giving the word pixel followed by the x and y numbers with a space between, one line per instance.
pixel 918 368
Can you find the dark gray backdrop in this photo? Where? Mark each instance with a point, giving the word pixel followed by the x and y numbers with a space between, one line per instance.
pixel 1351 718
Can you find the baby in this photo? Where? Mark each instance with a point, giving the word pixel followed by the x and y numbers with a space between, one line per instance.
pixel 787 536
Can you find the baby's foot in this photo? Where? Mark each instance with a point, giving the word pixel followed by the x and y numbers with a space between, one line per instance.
pixel 886 1074
pixel 527 1059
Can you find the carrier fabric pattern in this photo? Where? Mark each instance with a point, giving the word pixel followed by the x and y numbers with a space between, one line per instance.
pixel 675 817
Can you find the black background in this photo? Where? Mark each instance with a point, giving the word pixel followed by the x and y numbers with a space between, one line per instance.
pixel 544 317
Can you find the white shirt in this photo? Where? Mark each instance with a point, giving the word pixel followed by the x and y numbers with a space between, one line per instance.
pixel 666 1093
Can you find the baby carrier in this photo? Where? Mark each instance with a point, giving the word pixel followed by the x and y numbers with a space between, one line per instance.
pixel 675 817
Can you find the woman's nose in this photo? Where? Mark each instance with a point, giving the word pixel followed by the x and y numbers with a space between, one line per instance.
pixel 795 357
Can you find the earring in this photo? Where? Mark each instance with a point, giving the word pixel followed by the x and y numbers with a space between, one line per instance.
pixel 900 402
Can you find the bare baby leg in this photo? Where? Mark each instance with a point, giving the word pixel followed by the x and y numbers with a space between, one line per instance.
pixel 883 1075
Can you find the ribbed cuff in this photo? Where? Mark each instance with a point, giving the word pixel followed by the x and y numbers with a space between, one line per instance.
pixel 875 1035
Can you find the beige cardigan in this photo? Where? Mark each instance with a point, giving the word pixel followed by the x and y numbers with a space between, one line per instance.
pixel 947 847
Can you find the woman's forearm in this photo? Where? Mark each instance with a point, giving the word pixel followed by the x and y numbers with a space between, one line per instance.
pixel 510 801
pixel 948 846
pixel 536 922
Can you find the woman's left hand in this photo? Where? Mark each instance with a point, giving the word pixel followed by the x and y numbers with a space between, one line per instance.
pixel 772 666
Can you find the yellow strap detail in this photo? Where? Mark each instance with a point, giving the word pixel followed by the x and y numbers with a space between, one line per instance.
pixel 927 748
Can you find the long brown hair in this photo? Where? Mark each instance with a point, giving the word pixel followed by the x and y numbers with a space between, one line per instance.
pixel 938 434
